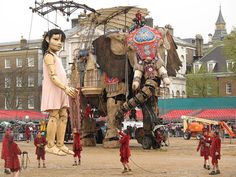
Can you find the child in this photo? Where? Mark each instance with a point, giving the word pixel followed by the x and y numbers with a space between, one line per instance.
pixel 40 143
pixel 77 148
pixel 215 153
pixel 124 150
pixel 13 151
pixel 55 92
pixel 4 149
pixel 204 146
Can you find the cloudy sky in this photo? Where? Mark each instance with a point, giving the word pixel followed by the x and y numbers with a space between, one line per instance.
pixel 187 17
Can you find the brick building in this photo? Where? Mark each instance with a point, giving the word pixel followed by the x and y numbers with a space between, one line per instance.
pixel 21 75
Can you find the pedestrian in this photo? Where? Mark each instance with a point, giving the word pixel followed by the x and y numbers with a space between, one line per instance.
pixel 27 134
pixel 215 153
pixel 40 143
pixel 55 92
pixel 4 149
pixel 77 148
pixel 204 147
pixel 13 151
pixel 124 150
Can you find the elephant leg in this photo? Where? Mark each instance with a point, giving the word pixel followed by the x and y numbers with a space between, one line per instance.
pixel 140 98
pixel 111 137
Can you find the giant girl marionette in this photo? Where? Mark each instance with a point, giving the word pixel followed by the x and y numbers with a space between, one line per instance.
pixel 55 93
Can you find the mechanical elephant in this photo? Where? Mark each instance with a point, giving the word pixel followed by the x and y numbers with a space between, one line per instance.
pixel 133 61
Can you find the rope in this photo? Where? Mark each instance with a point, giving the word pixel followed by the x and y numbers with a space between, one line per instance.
pixel 143 168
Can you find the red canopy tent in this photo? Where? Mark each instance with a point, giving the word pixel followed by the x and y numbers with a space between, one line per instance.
pixel 21 115
pixel 219 114
pixel 176 114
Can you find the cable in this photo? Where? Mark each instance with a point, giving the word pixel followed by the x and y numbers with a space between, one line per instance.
pixel 145 169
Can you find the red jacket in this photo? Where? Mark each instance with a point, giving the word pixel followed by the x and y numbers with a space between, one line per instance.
pixel 124 148
pixel 40 144
pixel 215 147
pixel 4 147
pixel 12 158
pixel 204 146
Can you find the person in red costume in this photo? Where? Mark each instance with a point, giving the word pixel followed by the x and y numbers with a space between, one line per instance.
pixel 27 134
pixel 77 148
pixel 88 111
pixel 4 149
pixel 13 151
pixel 204 147
pixel 124 150
pixel 40 143
pixel 215 153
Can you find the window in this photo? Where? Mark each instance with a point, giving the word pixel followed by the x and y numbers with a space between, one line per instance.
pixel 7 63
pixel 30 81
pixel 209 89
pixel 7 82
pixel 173 94
pixel 211 65
pixel 183 93
pixel 228 88
pixel 64 63
pixel 18 62
pixel 30 62
pixel 177 94
pixel 6 104
pixel 18 103
pixel 30 102
pixel 18 81
pixel 197 67
pixel 230 65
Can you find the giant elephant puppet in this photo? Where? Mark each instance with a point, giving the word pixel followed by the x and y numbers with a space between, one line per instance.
pixel 142 47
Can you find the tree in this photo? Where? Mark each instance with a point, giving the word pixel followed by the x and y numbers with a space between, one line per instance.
pixel 230 47
pixel 201 84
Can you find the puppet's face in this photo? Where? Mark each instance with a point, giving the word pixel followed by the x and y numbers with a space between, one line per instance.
pixel 55 43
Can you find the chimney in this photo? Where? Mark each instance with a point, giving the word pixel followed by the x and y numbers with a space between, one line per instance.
pixel 149 22
pixel 170 29
pixel 23 42
pixel 199 46
pixel 209 38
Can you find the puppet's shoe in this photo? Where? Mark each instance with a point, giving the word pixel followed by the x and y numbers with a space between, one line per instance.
pixel 217 171
pixel 55 150
pixel 125 170
pixel 66 150
pixel 208 167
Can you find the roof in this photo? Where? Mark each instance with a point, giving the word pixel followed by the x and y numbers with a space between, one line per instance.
pixel 21 115
pixel 114 17
pixel 217 55
pixel 220 19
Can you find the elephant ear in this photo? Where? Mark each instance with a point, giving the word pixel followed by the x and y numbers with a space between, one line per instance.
pixel 173 61
pixel 113 65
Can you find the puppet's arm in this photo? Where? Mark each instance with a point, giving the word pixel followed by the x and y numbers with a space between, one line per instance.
pixel 49 60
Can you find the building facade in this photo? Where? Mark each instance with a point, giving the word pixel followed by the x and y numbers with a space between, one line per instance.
pixel 21 75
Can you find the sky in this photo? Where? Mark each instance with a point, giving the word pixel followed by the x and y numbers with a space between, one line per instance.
pixel 187 17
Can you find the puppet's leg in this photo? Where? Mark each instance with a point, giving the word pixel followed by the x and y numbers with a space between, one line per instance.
pixel 61 129
pixel 51 133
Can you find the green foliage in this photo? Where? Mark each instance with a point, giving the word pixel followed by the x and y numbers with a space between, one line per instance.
pixel 202 84
pixel 230 47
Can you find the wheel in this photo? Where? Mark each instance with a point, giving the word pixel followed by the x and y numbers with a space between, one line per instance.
pixel 187 135
pixel 147 142
pixel 198 136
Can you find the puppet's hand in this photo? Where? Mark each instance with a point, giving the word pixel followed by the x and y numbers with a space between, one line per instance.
pixel 71 91
pixel 217 153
